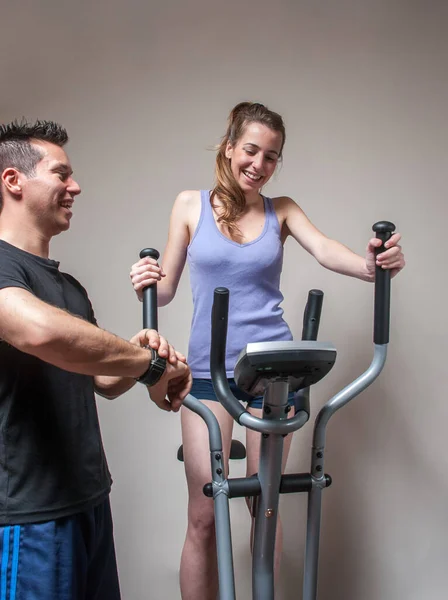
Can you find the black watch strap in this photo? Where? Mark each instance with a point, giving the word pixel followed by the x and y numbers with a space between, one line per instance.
pixel 156 369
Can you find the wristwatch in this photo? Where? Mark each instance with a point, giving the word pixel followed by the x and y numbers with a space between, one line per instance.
pixel 156 369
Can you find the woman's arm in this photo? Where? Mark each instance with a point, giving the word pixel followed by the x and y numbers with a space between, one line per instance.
pixel 332 254
pixel 145 272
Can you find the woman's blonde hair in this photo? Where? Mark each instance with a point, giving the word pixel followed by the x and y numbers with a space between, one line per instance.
pixel 226 187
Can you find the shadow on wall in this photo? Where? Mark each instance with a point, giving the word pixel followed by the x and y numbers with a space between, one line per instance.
pixel 381 480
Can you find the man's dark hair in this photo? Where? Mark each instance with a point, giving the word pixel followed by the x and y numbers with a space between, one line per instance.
pixel 16 150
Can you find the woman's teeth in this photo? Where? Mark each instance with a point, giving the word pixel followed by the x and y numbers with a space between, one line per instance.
pixel 252 176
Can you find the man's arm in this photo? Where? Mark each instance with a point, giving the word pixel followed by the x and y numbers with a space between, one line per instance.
pixel 168 393
pixel 64 340
pixel 112 387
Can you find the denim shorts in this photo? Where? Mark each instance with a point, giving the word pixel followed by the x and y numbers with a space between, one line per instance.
pixel 203 390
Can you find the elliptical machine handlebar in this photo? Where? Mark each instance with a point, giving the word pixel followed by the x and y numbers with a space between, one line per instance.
pixel 311 315
pixel 220 317
pixel 384 231
pixel 157 364
pixel 150 295
pixel 222 514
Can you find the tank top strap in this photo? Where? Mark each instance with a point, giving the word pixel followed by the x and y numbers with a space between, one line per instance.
pixel 204 216
pixel 271 215
pixel 206 207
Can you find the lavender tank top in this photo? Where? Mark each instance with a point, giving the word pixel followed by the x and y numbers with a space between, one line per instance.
pixel 250 271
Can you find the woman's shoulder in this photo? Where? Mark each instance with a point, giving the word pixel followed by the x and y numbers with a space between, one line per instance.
pixel 282 200
pixel 187 208
pixel 286 209
pixel 186 201
pixel 283 203
pixel 189 197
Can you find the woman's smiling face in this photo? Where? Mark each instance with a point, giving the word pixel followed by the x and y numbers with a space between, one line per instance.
pixel 254 156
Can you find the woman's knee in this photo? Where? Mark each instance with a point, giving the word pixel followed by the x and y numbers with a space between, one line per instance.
pixel 201 518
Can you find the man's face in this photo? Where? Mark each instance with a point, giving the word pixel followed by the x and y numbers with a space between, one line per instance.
pixel 48 195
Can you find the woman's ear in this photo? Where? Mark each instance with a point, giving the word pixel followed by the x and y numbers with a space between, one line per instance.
pixel 229 150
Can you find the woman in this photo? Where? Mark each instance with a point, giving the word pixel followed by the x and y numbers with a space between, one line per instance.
pixel 233 237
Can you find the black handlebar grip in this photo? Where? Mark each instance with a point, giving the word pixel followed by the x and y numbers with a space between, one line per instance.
pixel 384 231
pixel 311 320
pixel 150 295
pixel 311 316
pixel 220 316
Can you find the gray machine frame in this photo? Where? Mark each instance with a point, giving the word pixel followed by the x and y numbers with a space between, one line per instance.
pixel 269 483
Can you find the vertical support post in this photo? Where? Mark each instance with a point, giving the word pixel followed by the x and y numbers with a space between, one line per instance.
pixel 275 406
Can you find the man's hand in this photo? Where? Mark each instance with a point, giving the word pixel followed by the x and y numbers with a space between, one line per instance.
pixel 150 337
pixel 174 385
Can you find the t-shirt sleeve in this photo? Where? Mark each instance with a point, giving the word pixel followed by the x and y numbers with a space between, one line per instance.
pixel 13 274
pixel 91 315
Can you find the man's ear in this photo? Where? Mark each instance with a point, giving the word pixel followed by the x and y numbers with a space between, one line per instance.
pixel 11 180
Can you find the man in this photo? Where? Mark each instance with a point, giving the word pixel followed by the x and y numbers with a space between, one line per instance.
pixel 56 538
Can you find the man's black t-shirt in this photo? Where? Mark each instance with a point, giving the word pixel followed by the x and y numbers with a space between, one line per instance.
pixel 52 462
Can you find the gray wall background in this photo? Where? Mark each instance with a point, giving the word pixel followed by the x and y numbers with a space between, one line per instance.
pixel 144 89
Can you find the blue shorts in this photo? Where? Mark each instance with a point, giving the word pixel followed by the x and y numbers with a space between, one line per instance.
pixel 203 390
pixel 72 558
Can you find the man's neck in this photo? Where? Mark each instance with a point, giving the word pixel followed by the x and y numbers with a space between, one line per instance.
pixel 26 239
